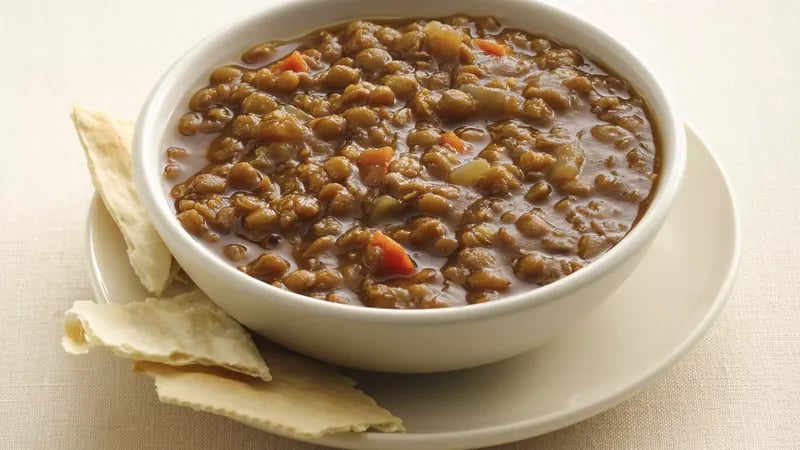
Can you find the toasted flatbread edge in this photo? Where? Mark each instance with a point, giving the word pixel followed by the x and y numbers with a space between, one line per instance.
pixel 389 423
pixel 80 337
pixel 152 262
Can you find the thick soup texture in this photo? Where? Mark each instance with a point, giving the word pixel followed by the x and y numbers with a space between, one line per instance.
pixel 412 164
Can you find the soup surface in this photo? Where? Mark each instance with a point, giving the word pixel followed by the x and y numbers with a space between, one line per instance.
pixel 412 163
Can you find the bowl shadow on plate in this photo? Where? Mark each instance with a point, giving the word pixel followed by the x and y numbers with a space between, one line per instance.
pixel 443 388
pixel 443 391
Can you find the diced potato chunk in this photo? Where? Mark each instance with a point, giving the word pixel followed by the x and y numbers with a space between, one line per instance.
pixel 383 207
pixel 443 41
pixel 569 159
pixel 494 101
pixel 469 173
pixel 298 113
pixel 592 245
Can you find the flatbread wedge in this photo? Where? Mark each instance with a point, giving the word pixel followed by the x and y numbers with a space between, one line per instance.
pixel 305 399
pixel 187 329
pixel 106 143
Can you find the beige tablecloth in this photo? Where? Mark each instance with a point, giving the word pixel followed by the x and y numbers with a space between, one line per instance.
pixel 733 67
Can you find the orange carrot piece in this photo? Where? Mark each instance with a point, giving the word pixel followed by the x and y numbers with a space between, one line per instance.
pixel 294 62
pixel 455 142
pixel 395 258
pixel 376 157
pixel 492 47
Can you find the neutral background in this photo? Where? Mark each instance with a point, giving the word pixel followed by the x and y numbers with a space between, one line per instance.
pixel 732 66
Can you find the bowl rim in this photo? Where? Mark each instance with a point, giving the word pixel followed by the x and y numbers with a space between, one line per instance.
pixel 147 179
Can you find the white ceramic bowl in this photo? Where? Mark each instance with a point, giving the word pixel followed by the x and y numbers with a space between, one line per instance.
pixel 384 339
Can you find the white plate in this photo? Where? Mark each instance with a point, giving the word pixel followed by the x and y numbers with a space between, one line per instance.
pixel 649 324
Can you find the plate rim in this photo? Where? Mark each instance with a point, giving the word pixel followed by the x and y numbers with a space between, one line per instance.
pixel 527 428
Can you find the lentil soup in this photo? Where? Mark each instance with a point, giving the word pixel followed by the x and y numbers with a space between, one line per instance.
pixel 412 163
